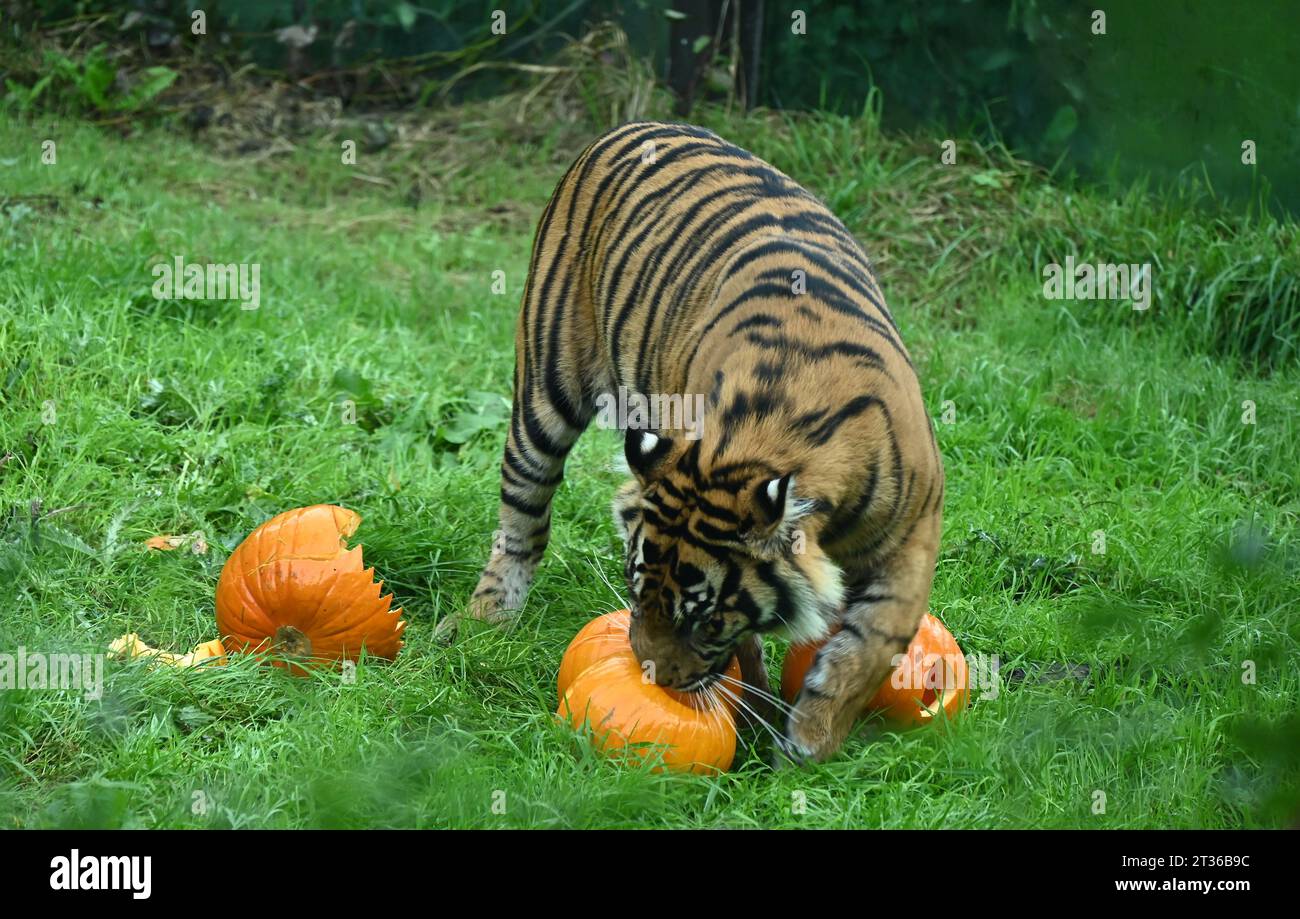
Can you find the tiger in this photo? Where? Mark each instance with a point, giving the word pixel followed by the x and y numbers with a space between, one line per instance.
pixel 809 497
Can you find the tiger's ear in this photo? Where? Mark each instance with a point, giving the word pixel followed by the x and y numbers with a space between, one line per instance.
pixel 770 500
pixel 644 449
pixel 776 510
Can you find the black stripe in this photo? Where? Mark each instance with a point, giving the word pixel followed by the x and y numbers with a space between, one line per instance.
pixel 819 431
pixel 816 353
pixel 764 320
pixel 538 439
pixel 714 510
pixel 841 523
pixel 531 510
pixel 527 474
pixel 846 626
pixel 785 609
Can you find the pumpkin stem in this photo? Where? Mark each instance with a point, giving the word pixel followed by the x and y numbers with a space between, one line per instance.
pixel 292 642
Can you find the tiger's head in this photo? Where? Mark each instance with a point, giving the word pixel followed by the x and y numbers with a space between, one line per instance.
pixel 714 556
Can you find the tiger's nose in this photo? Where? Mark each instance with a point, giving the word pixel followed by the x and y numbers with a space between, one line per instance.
pixel 653 665
pixel 663 672
pixel 669 675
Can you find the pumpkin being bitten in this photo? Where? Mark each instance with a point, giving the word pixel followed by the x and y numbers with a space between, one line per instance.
pixel 601 683
pixel 294 588
pixel 598 639
pixel 628 714
pixel 932 676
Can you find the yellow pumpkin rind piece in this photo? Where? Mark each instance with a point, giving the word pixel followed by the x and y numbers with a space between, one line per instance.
pixel 130 646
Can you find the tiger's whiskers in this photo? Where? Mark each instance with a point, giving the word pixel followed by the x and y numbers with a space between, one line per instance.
pixel 752 716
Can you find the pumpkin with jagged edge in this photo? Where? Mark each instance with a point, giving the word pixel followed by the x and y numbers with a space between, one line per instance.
pixel 601 684
pixel 932 677
pixel 295 590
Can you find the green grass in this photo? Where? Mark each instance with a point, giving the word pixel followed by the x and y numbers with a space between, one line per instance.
pixel 122 417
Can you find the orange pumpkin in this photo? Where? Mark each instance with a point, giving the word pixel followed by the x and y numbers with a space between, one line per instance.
pixel 630 717
pixel 601 682
pixel 932 676
pixel 295 589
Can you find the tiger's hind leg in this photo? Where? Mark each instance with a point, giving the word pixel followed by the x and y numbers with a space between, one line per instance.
pixel 552 407
pixel 532 468
pixel 876 626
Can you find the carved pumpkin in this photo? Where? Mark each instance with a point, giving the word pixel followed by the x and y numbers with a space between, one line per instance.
pixel 933 675
pixel 293 588
pixel 601 683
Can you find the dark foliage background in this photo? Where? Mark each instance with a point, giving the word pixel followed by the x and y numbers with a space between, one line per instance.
pixel 1172 87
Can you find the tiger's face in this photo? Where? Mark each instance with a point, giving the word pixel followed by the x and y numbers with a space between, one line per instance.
pixel 712 561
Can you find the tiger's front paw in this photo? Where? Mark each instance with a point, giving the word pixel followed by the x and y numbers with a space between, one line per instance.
pixel 492 607
pixel 489 605
pixel 501 589
pixel 787 752
pixel 814 732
